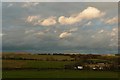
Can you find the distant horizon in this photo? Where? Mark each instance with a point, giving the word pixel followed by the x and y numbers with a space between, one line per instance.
pixel 68 52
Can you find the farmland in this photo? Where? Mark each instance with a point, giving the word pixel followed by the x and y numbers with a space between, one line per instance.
pixel 34 64
pixel 24 65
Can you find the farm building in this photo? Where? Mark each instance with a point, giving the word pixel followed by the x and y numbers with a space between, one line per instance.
pixel 79 67
pixel 92 66
pixel 98 66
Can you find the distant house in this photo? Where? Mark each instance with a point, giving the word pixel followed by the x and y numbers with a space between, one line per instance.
pixel 98 66
pixel 90 66
pixel 80 67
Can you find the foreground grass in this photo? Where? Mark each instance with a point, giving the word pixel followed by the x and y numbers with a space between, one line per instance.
pixel 58 74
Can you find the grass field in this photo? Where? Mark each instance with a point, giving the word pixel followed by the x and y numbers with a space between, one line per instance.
pixel 34 64
pixel 59 74
pixel 49 66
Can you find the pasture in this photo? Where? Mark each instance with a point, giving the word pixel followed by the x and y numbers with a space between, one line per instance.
pixel 34 64
pixel 59 74
pixel 53 66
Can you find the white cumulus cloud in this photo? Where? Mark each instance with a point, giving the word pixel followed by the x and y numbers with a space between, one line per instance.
pixel 89 13
pixel 65 35
pixel 68 20
pixel 32 18
pixel 112 20
pixel 36 20
pixel 49 21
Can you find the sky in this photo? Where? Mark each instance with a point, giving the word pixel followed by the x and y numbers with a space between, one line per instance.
pixel 60 0
pixel 83 27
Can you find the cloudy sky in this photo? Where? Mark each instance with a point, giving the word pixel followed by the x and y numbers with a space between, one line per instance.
pixel 60 27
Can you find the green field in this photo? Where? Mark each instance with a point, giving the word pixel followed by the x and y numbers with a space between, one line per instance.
pixel 53 66
pixel 59 74
pixel 34 64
